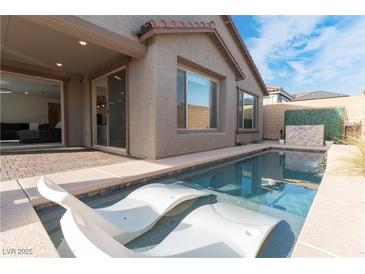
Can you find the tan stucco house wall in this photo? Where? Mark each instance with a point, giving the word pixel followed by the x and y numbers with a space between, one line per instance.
pixel 151 67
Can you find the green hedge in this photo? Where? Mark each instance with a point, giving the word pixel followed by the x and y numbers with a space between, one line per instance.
pixel 331 118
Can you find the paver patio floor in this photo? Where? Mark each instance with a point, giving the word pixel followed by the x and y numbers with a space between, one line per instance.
pixel 16 165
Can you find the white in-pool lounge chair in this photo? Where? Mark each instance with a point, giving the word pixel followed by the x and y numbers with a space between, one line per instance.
pixel 218 230
pixel 130 217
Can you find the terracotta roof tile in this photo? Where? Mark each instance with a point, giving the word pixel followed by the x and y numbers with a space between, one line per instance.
pixel 164 24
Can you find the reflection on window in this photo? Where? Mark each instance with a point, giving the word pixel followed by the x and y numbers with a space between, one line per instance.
pixel 214 105
pixel 181 99
pixel 247 111
pixel 197 106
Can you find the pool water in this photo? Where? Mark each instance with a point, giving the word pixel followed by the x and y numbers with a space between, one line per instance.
pixel 282 184
pixel 283 180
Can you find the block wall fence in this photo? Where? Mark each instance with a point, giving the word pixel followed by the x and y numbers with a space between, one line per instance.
pixel 274 115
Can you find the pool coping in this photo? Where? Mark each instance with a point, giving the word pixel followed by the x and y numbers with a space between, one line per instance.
pixel 21 196
pixel 335 224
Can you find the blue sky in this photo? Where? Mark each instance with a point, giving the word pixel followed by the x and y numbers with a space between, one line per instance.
pixel 307 53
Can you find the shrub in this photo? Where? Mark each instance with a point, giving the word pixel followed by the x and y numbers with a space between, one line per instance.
pixel 331 118
pixel 357 161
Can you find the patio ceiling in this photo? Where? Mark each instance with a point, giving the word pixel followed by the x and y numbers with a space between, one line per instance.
pixel 26 42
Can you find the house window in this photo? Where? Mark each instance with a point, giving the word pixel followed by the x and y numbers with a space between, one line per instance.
pixel 197 101
pixel 282 99
pixel 247 111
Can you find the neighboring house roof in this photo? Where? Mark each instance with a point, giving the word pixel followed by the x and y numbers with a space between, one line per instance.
pixel 279 90
pixel 272 89
pixel 313 95
pixel 153 27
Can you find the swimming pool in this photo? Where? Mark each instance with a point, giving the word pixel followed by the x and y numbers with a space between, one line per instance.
pixel 278 183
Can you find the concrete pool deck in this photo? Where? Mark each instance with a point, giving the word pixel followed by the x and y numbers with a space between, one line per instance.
pixel 335 224
pixel 21 228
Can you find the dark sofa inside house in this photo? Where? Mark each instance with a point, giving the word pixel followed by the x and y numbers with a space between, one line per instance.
pixel 21 132
pixel 9 130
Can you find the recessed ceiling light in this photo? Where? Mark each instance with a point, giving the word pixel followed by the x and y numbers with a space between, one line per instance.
pixel 5 91
pixel 26 92
pixel 59 64
pixel 83 43
pixel 117 77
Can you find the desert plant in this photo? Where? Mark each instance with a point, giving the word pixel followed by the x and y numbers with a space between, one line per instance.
pixel 357 161
pixel 350 164
pixel 322 165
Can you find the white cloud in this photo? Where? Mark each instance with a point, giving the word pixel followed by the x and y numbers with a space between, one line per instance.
pixel 319 57
pixel 276 34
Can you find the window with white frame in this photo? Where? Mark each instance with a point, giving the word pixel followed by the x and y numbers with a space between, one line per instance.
pixel 282 99
pixel 247 110
pixel 197 101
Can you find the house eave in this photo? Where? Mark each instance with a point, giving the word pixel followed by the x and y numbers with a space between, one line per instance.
pixel 151 29
pixel 237 37
pixel 82 29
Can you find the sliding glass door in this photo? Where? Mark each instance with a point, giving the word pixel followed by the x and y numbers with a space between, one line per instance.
pixel 109 104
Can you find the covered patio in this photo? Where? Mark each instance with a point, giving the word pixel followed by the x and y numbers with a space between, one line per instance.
pixel 41 53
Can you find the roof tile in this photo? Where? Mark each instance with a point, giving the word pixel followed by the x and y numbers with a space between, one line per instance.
pixel 169 24
pixel 317 95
